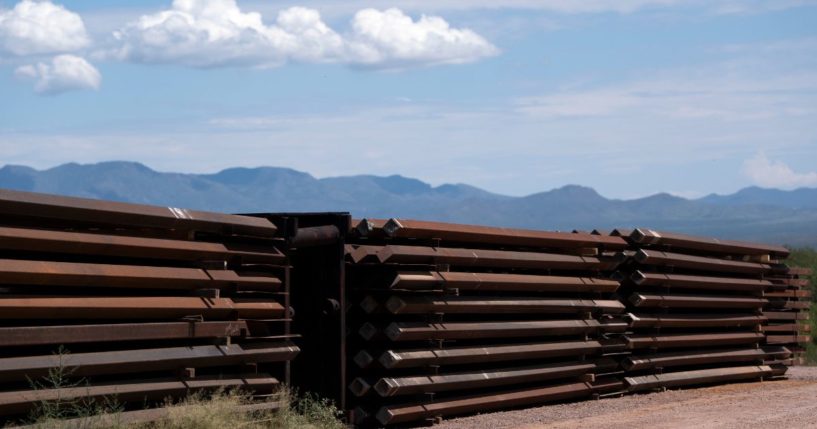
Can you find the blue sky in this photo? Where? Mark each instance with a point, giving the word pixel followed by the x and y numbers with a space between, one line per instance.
pixel 631 97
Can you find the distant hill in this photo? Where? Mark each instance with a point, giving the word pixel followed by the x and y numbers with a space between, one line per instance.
pixel 798 198
pixel 788 217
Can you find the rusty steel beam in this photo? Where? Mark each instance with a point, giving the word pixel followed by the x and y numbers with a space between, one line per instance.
pixel 693 320
pixel 324 235
pixel 638 341
pixel 458 233
pixel 364 253
pixel 789 294
pixel 621 232
pixel 702 376
pixel 402 413
pixel 698 282
pixel 653 257
pixel 497 305
pixel 412 385
pixel 500 282
pixel 702 357
pixel 135 308
pixel 695 301
pixel 22 401
pixel 674 240
pixel 72 334
pixel 36 240
pixel 144 360
pixel 371 228
pixel 788 327
pixel 785 315
pixel 788 339
pixel 128 215
pixel 414 331
pixel 494 258
pixel 393 359
pixel 51 273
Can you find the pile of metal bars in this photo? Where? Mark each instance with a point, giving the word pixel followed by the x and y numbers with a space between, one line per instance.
pixel 787 312
pixel 449 319
pixel 138 303
pixel 400 321
pixel 695 310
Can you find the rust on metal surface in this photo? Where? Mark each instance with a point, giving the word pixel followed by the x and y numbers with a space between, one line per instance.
pixel 369 227
pixel 695 301
pixel 501 282
pixel 639 341
pixel 493 258
pixel 642 320
pixel 789 294
pixel 37 240
pixel 135 308
pixel 698 282
pixel 315 236
pixel 412 385
pixel 51 273
pixel 99 333
pixel 702 376
pixel 787 339
pixel 653 257
pixel 413 331
pixel 130 215
pixel 700 357
pixel 706 244
pixel 450 232
pixel 144 360
pixel 484 354
pixel 495 305
pixel 785 315
pixel 401 413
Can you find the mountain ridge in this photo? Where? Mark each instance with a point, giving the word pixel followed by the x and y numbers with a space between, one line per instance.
pixel 769 215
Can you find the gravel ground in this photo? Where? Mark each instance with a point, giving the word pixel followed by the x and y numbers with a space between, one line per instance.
pixel 790 403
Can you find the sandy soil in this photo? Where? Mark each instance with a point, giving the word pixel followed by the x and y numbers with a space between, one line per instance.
pixel 788 403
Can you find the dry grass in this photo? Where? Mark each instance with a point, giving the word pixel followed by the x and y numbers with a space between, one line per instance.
pixel 215 411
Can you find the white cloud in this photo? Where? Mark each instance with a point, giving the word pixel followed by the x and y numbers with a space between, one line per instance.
pixel 391 36
pixel 776 174
pixel 63 73
pixel 211 33
pixel 32 28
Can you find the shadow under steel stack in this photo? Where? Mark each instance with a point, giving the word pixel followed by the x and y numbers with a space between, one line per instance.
pixel 136 302
pixel 787 312
pixel 695 310
pixel 448 319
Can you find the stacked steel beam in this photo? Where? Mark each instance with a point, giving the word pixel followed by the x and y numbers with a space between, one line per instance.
pixel 448 319
pixel 787 312
pixel 695 310
pixel 409 320
pixel 136 303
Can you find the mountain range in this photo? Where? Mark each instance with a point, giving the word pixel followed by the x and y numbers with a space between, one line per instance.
pixel 768 215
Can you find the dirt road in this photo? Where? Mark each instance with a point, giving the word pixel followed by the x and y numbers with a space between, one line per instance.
pixel 788 403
